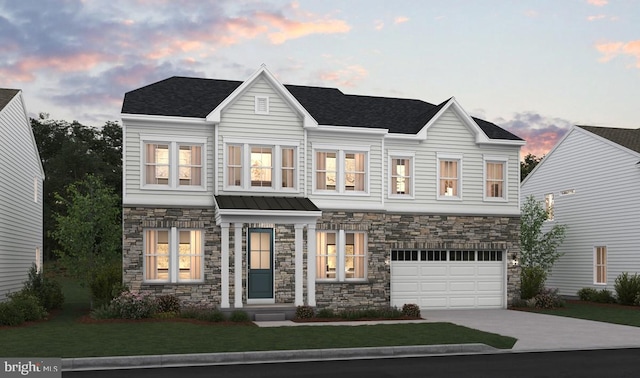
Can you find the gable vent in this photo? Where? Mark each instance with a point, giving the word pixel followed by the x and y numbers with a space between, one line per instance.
pixel 262 105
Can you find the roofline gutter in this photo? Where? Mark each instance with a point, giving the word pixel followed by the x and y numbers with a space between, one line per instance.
pixel 164 119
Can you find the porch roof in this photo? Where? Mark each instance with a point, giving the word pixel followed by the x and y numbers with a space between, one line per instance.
pixel 265 208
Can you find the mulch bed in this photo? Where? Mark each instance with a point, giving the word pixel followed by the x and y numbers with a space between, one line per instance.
pixel 327 320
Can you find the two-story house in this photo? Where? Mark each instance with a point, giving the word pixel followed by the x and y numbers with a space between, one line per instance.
pixel 254 193
pixel 21 204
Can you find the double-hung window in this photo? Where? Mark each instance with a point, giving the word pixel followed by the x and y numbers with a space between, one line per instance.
pixel 549 206
pixel 256 166
pixel 173 255
pixel 178 164
pixel 495 181
pixel 341 171
pixel 401 183
pixel 449 176
pixel 600 265
pixel 340 255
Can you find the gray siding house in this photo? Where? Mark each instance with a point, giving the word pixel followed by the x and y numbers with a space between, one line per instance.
pixel 21 178
pixel 590 181
pixel 254 193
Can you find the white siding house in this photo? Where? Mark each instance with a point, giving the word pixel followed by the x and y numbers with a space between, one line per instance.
pixel 593 176
pixel 254 193
pixel 21 178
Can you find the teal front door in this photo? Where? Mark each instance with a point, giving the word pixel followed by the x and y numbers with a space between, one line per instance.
pixel 260 259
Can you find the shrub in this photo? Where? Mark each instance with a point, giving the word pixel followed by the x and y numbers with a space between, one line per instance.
pixel 168 303
pixel 48 292
pixel 391 313
pixel 605 296
pixel 411 310
pixel 10 314
pixel 28 305
pixel 548 298
pixel 304 312
pixel 532 281
pixel 627 288
pixel 588 294
pixel 239 316
pixel 215 315
pixel 106 311
pixel 130 305
pixel 325 313
pixel 102 285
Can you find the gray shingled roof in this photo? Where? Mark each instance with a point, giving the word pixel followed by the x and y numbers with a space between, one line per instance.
pixel 265 203
pixel 629 138
pixel 7 95
pixel 193 97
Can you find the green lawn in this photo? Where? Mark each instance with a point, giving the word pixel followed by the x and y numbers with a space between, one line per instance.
pixel 627 315
pixel 63 336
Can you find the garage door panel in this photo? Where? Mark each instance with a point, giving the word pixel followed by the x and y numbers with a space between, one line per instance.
pixel 448 284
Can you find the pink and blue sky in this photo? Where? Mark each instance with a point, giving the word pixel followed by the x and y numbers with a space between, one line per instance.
pixel 533 67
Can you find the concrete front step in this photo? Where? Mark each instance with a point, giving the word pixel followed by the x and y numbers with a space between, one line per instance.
pixel 270 317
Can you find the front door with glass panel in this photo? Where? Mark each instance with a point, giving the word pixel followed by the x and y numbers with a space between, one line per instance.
pixel 260 260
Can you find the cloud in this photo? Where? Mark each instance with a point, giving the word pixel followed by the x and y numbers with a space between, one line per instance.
pixel 611 50
pixel 346 77
pixel 400 20
pixel 598 3
pixel 596 17
pixel 531 13
pixel 378 24
pixel 288 29
pixel 541 133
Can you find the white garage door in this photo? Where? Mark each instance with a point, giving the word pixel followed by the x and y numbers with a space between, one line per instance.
pixel 454 279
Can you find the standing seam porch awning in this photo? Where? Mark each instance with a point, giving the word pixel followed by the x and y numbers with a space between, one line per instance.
pixel 268 209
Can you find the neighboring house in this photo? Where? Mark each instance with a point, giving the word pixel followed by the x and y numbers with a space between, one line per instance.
pixel 255 193
pixel 21 178
pixel 590 182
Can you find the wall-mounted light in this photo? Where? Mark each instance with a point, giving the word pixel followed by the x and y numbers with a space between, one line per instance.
pixel 514 260
pixel 386 261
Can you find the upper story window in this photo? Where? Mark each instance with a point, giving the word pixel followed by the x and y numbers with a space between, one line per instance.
pixel 495 173
pixel 449 176
pixel 173 255
pixel 401 183
pixel 173 165
pixel 600 265
pixel 341 256
pixel 262 105
pixel 341 171
pixel 549 206
pixel 260 167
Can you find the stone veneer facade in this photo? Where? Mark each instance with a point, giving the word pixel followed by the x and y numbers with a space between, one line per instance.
pixel 385 232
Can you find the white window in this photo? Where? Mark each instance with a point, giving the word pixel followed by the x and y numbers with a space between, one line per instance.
pixel 495 173
pixel 173 255
pixel 269 167
pixel 341 171
pixel 341 256
pixel 549 206
pixel 449 176
pixel 261 105
pixel 401 183
pixel 173 165
pixel 600 265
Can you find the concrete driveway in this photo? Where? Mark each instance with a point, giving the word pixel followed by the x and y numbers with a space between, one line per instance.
pixel 542 332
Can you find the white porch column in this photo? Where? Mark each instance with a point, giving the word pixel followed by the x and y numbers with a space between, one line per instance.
pixel 311 264
pixel 299 277
pixel 237 263
pixel 224 273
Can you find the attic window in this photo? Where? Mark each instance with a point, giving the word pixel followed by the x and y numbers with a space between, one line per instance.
pixel 262 105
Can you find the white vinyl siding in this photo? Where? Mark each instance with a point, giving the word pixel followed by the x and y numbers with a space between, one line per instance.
pixel 20 216
pixel 603 209
pixel 240 124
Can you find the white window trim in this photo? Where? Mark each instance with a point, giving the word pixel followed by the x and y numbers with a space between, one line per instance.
pixel 340 151
pixel 277 146
pixel 401 155
pixel 446 156
pixel 595 260
pixel 505 169
pixel 257 100
pixel 173 141
pixel 173 256
pixel 341 239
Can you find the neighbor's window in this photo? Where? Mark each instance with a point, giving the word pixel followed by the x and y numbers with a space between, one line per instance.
pixel 340 255
pixel 549 206
pixel 173 255
pixel 173 164
pixel 495 179
pixel 401 176
pixel 600 266
pixel 449 177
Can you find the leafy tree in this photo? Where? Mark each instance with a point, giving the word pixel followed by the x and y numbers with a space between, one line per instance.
pixel 528 164
pixel 538 250
pixel 89 232
pixel 70 151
